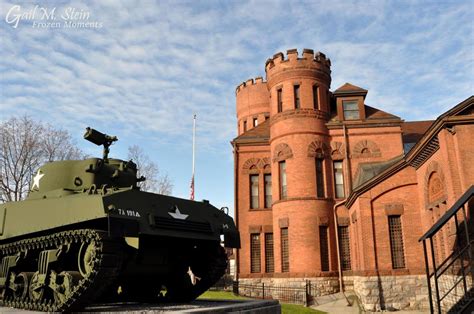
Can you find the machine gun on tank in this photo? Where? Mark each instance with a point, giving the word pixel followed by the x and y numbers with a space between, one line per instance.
pixel 99 138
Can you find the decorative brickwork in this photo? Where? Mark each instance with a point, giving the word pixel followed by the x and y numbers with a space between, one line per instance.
pixel 393 209
pixel 434 189
pixel 298 113
pixel 282 152
pixel 366 149
pixel 256 165
pixel 337 150
pixel 250 165
pixel 318 149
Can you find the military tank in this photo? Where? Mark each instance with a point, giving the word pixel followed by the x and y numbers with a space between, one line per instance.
pixel 87 233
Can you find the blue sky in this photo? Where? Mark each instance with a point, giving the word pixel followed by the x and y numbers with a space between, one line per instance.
pixel 147 67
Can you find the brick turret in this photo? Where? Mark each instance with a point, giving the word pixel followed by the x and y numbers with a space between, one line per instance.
pixel 252 103
pixel 299 89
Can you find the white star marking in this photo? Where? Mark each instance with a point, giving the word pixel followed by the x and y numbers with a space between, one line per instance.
pixel 36 180
pixel 177 214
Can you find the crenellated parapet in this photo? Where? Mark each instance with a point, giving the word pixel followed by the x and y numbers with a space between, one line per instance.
pixel 250 82
pixel 308 59
pixel 253 102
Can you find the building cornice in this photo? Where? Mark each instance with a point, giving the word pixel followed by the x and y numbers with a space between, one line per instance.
pixel 334 125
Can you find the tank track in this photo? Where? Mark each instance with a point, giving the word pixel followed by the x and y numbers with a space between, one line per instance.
pixel 103 266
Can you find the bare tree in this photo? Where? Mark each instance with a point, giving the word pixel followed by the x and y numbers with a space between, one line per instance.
pixel 59 145
pixel 155 182
pixel 25 144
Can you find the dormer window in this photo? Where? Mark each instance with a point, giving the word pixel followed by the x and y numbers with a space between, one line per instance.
pixel 350 102
pixel 351 110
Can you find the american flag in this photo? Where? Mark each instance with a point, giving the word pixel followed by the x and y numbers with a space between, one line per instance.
pixel 191 197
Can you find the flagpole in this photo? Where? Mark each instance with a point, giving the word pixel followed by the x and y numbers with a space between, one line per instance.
pixel 194 156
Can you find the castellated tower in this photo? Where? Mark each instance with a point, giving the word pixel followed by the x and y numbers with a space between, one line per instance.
pixel 299 110
pixel 252 104
pixel 299 151
pixel 327 187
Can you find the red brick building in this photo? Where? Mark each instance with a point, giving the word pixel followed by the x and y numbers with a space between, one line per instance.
pixel 308 160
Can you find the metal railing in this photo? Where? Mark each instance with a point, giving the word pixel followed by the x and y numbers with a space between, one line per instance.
pixel 286 294
pixel 224 284
pixel 451 277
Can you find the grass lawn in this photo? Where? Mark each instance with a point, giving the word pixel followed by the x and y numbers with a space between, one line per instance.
pixel 285 308
pixel 219 295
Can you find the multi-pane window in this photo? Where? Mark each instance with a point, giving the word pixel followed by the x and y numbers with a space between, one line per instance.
pixel 324 247
pixel 255 266
pixel 351 110
pixel 319 178
pixel 338 179
pixel 344 247
pixel 269 256
pixel 283 187
pixel 315 97
pixel 255 122
pixel 396 241
pixel 285 251
pixel 279 100
pixel 296 91
pixel 245 126
pixel 254 191
pixel 268 190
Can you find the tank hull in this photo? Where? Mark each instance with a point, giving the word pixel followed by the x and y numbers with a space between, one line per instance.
pixel 127 213
pixel 63 251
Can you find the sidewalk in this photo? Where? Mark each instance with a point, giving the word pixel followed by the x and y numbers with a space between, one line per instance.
pixel 337 303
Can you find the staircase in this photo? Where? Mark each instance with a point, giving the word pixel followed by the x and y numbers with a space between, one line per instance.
pixel 451 278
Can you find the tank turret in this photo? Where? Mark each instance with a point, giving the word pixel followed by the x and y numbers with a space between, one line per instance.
pixel 73 176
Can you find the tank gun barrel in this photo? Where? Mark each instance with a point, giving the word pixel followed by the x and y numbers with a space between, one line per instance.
pixel 99 138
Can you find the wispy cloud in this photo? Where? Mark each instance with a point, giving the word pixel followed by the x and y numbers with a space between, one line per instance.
pixel 152 65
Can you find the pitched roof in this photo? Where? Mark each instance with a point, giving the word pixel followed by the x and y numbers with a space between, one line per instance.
pixel 367 171
pixel 348 88
pixel 462 113
pixel 412 131
pixel 260 133
pixel 374 113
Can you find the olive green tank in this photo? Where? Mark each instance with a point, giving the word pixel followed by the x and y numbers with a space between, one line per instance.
pixel 86 233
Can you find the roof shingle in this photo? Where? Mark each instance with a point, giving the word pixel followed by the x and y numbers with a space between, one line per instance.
pixel 412 131
pixel 260 133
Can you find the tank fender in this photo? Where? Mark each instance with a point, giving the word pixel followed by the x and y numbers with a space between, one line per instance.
pixel 230 232
pixel 232 239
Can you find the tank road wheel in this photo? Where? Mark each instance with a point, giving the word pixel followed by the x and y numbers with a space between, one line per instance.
pixel 63 285
pixel 85 258
pixel 20 286
pixel 36 289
